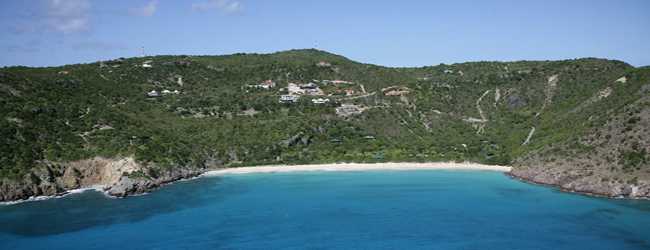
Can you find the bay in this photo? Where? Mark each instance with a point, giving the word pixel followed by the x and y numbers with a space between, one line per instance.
pixel 415 209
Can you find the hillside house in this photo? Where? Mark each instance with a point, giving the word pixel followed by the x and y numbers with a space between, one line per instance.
pixel 348 108
pixel 289 98
pixel 164 92
pixel 349 92
pixel 308 86
pixel 63 72
pixel 323 64
pixel 176 92
pixel 448 71
pixel 116 65
pixel 267 84
pixel 293 88
pixel 102 64
pixel 153 93
pixel 320 100
pixel 305 88
pixel 326 82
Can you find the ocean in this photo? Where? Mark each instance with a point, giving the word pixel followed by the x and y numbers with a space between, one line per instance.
pixel 414 209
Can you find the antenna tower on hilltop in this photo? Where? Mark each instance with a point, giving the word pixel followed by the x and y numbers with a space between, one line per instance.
pixel 143 55
pixel 316 44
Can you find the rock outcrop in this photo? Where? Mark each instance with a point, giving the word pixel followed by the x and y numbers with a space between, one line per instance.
pixel 585 184
pixel 130 186
pixel 118 177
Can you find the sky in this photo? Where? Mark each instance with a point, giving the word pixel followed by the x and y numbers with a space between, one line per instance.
pixel 405 33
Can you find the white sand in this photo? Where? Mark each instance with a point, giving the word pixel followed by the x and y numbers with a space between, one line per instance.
pixel 359 166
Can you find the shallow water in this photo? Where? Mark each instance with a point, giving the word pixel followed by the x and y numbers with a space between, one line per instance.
pixel 419 209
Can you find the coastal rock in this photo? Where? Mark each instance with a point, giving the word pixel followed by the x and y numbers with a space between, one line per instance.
pixel 133 186
pixel 127 186
pixel 111 175
pixel 590 185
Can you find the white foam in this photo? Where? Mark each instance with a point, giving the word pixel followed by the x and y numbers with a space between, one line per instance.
pixel 61 195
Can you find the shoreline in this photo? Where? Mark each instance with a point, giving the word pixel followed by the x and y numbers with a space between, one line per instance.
pixel 289 168
pixel 359 167
pixel 61 195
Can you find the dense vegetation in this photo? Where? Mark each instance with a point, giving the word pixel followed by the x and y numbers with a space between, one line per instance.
pixel 479 112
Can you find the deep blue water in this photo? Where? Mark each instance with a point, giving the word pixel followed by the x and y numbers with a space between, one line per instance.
pixel 332 210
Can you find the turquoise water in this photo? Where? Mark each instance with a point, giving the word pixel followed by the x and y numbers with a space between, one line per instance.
pixel 332 210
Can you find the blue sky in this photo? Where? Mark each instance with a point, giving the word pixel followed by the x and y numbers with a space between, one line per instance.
pixel 393 33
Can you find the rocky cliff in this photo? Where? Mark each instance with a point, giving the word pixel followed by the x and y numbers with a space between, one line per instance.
pixel 580 183
pixel 118 177
pixel 610 160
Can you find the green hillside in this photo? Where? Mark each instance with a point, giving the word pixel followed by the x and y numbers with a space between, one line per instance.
pixel 479 112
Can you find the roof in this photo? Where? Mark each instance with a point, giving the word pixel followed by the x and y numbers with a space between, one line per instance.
pixel 335 140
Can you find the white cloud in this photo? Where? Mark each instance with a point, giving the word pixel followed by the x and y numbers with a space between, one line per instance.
pixel 146 11
pixel 223 7
pixel 66 27
pixel 232 9
pixel 61 17
pixel 63 9
pixel 97 46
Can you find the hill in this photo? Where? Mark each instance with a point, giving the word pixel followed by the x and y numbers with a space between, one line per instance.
pixel 580 124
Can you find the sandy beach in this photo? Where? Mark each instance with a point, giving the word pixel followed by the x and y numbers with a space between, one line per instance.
pixel 360 166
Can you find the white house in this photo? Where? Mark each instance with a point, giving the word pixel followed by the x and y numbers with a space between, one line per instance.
pixel 176 92
pixel 293 88
pixel 267 85
pixel 289 98
pixel 153 93
pixel 166 92
pixel 320 100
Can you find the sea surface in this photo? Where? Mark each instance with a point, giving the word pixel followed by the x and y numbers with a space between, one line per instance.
pixel 415 209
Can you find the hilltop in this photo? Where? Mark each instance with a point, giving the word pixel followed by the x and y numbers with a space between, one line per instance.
pixel 134 124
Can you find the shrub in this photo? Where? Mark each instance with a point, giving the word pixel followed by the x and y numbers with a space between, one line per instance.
pixel 34 178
